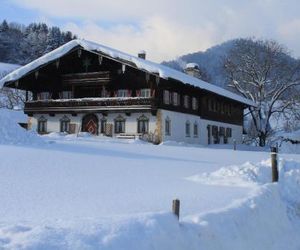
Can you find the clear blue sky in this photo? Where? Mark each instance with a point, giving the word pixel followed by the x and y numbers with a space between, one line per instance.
pixel 165 29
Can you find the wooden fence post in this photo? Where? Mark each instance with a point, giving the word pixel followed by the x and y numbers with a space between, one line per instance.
pixel 176 207
pixel 274 164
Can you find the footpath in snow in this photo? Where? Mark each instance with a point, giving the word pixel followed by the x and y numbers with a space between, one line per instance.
pixel 64 192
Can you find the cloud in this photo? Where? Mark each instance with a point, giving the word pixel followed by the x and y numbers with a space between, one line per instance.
pixel 160 38
pixel 169 28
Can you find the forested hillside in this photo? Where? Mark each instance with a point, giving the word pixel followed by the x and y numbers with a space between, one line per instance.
pixel 211 61
pixel 21 44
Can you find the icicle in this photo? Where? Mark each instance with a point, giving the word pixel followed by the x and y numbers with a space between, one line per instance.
pixel 79 52
pixel 57 63
pixel 123 68
pixel 36 73
pixel 157 79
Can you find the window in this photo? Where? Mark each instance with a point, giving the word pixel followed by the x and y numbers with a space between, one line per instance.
pixel 194 103
pixel 145 92
pixel 119 125
pixel 103 126
pixel 187 129
pixel 122 93
pixel 65 124
pixel 186 101
pixel 166 97
pixel 167 126
pixel 66 95
pixel 42 125
pixel 44 96
pixel 143 125
pixel 215 134
pixel 228 132
pixel 195 129
pixel 176 99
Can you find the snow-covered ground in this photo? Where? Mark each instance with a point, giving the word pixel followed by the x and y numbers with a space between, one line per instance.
pixel 68 192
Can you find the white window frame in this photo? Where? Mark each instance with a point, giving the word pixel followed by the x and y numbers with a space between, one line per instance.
pixel 65 124
pixel 195 129
pixel 43 129
pixel 186 101
pixel 120 125
pixel 145 92
pixel 122 93
pixel 176 99
pixel 167 126
pixel 194 103
pixel 44 95
pixel 188 129
pixel 66 95
pixel 166 97
pixel 144 121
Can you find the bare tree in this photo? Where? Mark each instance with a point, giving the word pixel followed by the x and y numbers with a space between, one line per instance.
pixel 264 72
pixel 11 98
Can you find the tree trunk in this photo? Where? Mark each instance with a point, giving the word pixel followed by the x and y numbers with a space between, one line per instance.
pixel 262 139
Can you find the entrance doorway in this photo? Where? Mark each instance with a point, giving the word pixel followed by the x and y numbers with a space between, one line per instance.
pixel 90 124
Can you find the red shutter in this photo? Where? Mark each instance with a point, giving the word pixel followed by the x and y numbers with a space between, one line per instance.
pixel 153 93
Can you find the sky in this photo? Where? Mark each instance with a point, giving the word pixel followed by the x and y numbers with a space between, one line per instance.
pixel 165 29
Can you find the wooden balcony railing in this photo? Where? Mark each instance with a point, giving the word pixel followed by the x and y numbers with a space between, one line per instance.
pixel 101 104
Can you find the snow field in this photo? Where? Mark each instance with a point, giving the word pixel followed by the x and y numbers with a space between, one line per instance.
pixel 67 192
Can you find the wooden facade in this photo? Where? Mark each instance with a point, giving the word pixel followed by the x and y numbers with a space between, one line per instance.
pixel 88 83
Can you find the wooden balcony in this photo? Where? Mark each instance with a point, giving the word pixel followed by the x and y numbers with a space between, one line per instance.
pixel 113 104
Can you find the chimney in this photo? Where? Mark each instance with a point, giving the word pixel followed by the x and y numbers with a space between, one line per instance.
pixel 192 69
pixel 142 54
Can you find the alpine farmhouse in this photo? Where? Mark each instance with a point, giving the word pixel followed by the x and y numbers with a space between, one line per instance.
pixel 86 87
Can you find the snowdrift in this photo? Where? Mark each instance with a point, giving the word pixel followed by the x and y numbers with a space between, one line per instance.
pixel 12 133
pixel 268 219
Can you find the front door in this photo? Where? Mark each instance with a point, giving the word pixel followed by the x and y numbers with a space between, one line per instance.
pixel 90 124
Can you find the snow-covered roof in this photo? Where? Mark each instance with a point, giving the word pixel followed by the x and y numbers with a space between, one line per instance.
pixel 148 66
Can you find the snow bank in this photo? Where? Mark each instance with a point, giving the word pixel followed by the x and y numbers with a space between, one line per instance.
pixel 268 219
pixel 11 132
pixel 265 220
pixel 237 175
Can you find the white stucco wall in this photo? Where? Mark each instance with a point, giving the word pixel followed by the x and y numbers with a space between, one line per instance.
pixel 178 133
pixel 53 122
pixel 178 121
